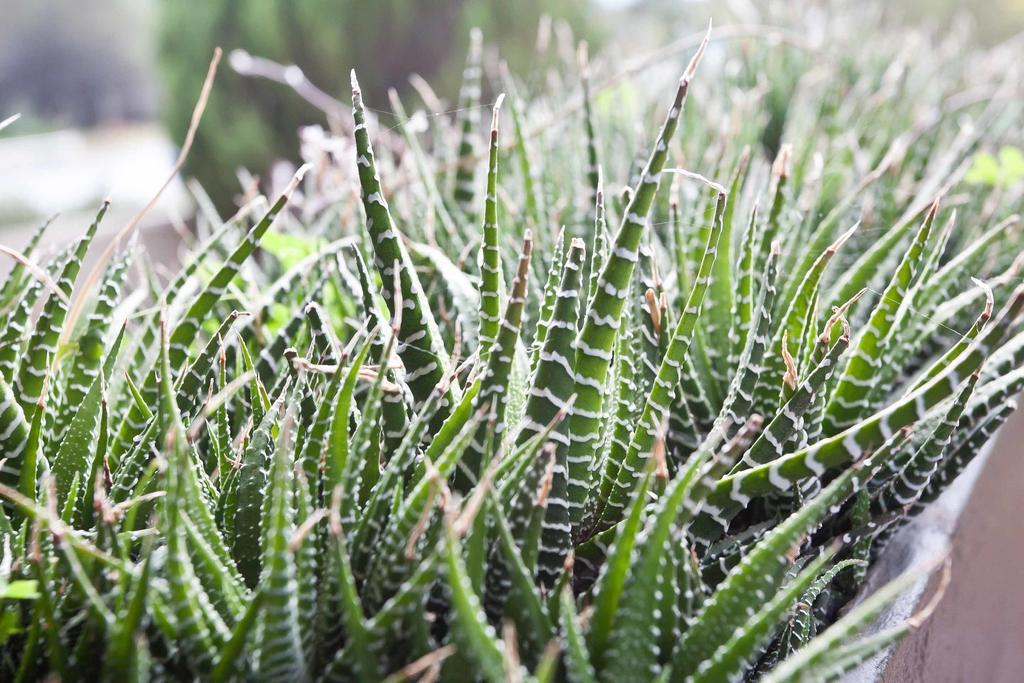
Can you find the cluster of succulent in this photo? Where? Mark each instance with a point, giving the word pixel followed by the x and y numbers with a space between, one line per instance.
pixel 450 407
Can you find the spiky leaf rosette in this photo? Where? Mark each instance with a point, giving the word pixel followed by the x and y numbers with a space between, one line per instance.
pixel 387 433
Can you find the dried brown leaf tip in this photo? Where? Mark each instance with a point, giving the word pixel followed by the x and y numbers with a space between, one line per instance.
pixel 790 378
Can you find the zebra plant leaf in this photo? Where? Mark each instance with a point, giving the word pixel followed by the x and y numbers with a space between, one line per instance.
pixel 492 285
pixel 475 637
pixel 551 392
pixel 634 643
pixel 91 343
pixel 253 478
pixel 42 345
pixel 79 446
pixel 279 640
pixel 578 664
pixel 855 383
pixel 19 271
pixel 468 119
pixel 758 574
pixel 188 325
pixel 779 475
pixel 736 655
pixel 655 410
pixel 187 611
pixel 597 337
pixel 495 387
pixel 421 349
pixel 832 653
pixel 15 431
pixel 798 315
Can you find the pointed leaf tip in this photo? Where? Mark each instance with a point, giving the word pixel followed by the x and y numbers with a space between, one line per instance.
pixel 495 113
pixel 691 68
pixel 987 313
pixel 842 239
pixel 296 179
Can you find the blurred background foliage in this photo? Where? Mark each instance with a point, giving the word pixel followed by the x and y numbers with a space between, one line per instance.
pixel 109 63
pixel 250 122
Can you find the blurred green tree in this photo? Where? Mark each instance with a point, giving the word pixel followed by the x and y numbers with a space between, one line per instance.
pixel 250 122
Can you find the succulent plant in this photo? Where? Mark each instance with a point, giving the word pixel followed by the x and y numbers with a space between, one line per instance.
pixel 551 431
